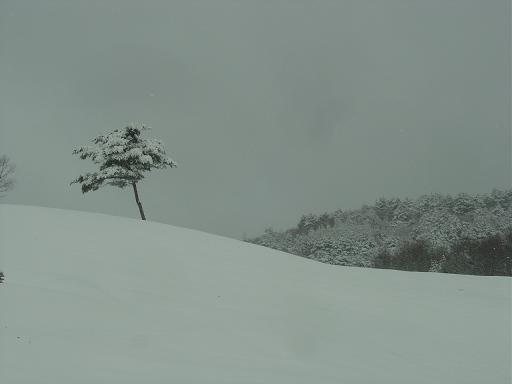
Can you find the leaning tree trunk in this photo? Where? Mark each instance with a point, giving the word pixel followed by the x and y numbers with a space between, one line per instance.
pixel 139 204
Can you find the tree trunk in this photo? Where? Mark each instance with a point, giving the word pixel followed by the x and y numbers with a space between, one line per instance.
pixel 139 204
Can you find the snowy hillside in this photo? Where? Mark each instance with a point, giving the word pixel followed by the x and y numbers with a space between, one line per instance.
pixel 91 298
pixel 477 227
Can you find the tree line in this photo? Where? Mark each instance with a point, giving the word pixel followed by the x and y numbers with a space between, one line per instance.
pixel 469 234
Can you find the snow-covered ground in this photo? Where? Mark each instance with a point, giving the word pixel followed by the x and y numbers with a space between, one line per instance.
pixel 91 298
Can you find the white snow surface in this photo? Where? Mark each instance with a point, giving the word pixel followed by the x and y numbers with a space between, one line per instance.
pixel 90 298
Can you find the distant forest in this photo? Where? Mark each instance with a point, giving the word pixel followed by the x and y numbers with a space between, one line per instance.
pixel 464 234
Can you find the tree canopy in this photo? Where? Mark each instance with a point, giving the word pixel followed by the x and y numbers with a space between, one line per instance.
pixel 123 157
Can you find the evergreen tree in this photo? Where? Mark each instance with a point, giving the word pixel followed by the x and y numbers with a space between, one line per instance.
pixel 123 157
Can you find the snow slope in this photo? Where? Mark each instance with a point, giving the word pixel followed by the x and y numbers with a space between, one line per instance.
pixel 91 298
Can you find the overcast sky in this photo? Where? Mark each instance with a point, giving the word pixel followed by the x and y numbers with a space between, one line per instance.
pixel 272 109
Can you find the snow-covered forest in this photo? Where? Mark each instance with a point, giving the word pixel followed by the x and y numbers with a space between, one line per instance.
pixel 469 234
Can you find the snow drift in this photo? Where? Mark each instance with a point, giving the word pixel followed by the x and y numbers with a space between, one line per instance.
pixel 90 298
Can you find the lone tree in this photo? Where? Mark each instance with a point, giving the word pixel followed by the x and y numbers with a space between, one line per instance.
pixel 123 157
pixel 7 169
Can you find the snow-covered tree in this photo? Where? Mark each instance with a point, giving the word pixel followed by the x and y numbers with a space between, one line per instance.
pixel 464 203
pixel 123 157
pixel 385 208
pixel 6 174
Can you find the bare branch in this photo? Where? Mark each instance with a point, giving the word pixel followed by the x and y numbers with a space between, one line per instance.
pixel 7 169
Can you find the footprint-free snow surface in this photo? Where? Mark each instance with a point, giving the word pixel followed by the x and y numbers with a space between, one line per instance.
pixel 90 298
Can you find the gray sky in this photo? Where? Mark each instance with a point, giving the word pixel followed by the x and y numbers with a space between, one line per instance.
pixel 272 109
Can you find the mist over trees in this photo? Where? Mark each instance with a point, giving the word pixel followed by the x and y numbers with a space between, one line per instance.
pixel 123 157
pixel 7 169
pixel 469 234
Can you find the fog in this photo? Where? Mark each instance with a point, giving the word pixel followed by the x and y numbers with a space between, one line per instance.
pixel 272 109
